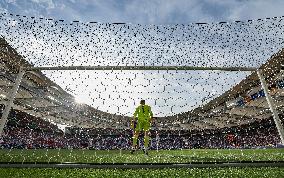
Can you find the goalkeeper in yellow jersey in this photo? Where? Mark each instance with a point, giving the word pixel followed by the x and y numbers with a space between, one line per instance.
pixel 144 114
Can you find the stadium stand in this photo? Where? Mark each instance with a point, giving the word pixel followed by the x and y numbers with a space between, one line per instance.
pixel 29 132
pixel 239 118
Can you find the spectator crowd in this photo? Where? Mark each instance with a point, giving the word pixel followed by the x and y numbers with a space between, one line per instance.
pixel 28 132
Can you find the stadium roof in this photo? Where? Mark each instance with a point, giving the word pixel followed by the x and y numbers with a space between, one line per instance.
pixel 41 97
pixel 224 111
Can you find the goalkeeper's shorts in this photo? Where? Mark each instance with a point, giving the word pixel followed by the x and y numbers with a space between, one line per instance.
pixel 142 125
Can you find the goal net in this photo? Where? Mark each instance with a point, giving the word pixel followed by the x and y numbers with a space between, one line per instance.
pixel 83 81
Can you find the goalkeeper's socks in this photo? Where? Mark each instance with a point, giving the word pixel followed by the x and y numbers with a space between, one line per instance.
pixel 145 151
pixel 146 141
pixel 134 142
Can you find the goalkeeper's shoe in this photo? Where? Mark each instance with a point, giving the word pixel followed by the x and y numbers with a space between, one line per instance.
pixel 145 150
pixel 132 150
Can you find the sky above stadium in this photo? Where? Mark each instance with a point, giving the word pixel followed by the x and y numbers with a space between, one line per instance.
pixel 159 41
pixel 146 11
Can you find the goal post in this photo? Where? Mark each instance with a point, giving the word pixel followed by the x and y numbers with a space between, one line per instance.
pixel 11 98
pixel 23 70
pixel 272 107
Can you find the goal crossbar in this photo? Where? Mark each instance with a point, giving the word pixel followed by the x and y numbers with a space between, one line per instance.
pixel 140 68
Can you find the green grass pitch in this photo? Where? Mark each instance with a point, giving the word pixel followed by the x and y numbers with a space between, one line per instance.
pixel 124 156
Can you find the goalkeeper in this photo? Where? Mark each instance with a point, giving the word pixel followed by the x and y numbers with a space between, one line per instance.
pixel 145 115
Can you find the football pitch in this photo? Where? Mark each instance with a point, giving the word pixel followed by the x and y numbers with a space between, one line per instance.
pixel 57 156
pixel 124 156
